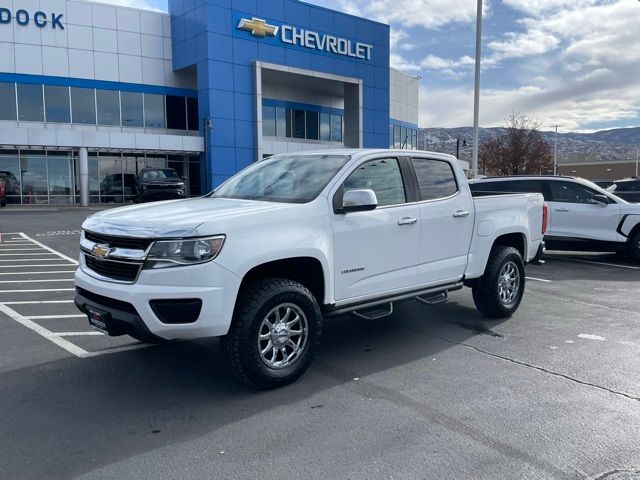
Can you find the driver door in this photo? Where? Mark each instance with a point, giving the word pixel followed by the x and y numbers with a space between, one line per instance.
pixel 574 215
pixel 377 251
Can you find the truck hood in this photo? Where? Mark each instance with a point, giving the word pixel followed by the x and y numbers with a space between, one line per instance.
pixel 175 218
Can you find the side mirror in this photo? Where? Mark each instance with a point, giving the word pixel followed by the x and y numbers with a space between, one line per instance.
pixel 359 201
pixel 599 199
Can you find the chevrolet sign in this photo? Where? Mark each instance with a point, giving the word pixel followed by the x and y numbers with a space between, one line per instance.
pixel 307 38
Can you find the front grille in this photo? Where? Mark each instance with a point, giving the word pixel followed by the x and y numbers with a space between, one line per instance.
pixel 152 188
pixel 119 242
pixel 124 272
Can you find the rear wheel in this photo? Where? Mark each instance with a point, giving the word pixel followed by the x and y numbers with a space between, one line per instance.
pixel 275 333
pixel 3 203
pixel 634 246
pixel 498 293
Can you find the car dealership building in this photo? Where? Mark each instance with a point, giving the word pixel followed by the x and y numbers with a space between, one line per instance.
pixel 92 93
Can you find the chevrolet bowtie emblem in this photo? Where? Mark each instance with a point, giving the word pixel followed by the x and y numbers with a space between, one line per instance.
pixel 101 251
pixel 258 27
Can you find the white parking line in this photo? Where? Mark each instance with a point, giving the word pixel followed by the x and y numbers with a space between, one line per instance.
pixel 75 262
pixel 40 265
pixel 39 290
pixel 38 273
pixel 39 281
pixel 37 302
pixel 19 249
pixel 25 255
pixel 31 325
pixel 538 279
pixel 63 343
pixel 53 317
pixel 77 334
pixel 35 259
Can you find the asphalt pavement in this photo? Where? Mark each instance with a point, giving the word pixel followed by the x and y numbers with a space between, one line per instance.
pixel 429 393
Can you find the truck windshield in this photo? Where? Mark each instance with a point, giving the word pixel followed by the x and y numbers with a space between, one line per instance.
pixel 283 178
pixel 165 174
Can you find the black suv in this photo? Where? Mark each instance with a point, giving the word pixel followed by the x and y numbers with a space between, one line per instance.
pixel 627 189
pixel 159 184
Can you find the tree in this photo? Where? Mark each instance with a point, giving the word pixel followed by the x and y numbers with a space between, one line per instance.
pixel 520 150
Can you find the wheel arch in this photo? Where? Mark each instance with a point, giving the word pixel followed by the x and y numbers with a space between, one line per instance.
pixel 305 270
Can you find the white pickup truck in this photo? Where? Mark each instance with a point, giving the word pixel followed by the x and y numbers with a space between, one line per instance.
pixel 298 237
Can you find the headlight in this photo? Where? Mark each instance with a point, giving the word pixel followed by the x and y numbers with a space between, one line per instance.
pixel 174 253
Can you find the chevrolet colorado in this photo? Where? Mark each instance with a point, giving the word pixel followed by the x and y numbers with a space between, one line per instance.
pixel 297 237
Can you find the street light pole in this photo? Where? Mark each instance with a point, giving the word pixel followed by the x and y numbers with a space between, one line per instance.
pixel 637 151
pixel 555 152
pixel 476 95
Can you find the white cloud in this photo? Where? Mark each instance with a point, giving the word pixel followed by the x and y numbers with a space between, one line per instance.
pixel 594 99
pixel 429 14
pixel 518 45
pixel 537 7
pixel 143 4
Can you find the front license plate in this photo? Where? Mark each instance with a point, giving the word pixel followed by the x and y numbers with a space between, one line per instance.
pixel 98 320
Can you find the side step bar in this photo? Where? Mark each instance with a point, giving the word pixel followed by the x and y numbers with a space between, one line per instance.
pixel 428 294
pixel 433 299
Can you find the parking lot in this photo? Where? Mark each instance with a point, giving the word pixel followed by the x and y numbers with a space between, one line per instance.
pixel 430 393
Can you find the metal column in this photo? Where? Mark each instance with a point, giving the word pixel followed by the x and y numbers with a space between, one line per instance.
pixel 83 163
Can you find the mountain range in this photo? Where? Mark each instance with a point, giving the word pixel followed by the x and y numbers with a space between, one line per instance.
pixel 604 145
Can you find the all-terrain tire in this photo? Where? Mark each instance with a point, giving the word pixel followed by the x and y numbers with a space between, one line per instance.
pixel 243 345
pixel 492 293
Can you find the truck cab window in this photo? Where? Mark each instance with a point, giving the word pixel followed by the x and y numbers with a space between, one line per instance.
pixel 435 178
pixel 383 177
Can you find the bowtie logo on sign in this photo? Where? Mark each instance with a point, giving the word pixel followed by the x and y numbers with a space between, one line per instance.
pixel 307 38
pixel 258 27
pixel 23 18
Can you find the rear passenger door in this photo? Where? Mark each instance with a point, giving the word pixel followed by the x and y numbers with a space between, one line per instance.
pixel 446 222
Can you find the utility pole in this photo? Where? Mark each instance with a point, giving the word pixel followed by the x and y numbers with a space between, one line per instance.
pixel 637 151
pixel 555 151
pixel 476 95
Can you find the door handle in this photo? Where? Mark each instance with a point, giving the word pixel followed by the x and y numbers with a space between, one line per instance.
pixel 408 221
pixel 564 210
pixel 461 214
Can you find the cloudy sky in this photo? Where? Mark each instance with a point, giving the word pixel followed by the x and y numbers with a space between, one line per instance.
pixel 570 62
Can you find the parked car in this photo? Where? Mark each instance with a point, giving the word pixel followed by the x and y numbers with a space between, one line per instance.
pixel 628 189
pixel 117 188
pixel 159 184
pixel 297 237
pixel 604 183
pixel 582 216
pixel 3 193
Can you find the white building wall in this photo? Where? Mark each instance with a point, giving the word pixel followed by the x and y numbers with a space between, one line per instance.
pixel 404 97
pixel 99 42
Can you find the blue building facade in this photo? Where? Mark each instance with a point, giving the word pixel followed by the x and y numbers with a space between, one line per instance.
pixel 206 89
pixel 217 38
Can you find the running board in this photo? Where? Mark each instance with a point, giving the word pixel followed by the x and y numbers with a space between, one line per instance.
pixel 433 299
pixel 427 292
pixel 374 313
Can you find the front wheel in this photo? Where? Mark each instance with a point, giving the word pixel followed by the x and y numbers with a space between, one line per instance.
pixel 275 333
pixel 498 293
pixel 634 246
pixel 3 203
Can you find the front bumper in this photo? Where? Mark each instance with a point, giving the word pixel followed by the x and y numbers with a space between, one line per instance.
pixel 130 307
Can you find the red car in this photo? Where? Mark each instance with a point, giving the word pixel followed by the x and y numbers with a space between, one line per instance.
pixel 3 193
